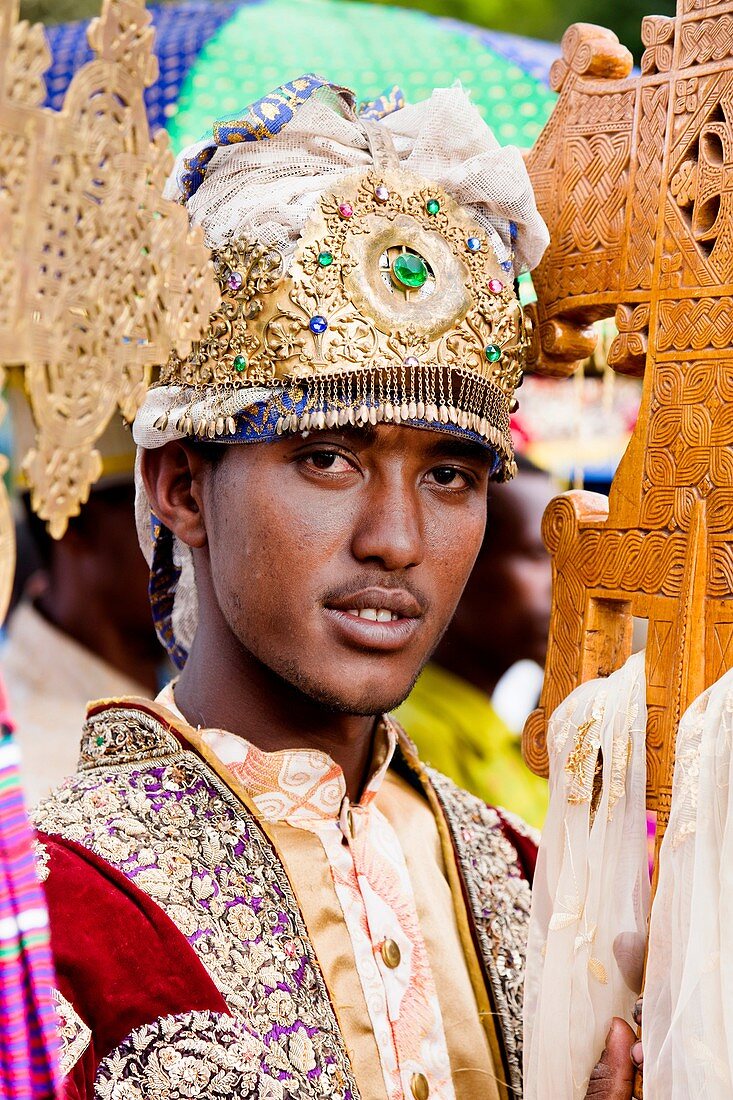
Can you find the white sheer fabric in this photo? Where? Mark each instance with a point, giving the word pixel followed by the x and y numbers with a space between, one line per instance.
pixel 688 998
pixel 266 190
pixel 591 889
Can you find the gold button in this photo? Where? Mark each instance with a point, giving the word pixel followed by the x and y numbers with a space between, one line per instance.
pixel 391 954
pixel 419 1086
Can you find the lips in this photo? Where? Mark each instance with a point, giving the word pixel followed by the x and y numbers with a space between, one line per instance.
pixel 379 619
pixel 367 604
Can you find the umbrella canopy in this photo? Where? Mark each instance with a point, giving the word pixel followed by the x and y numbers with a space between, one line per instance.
pixel 215 58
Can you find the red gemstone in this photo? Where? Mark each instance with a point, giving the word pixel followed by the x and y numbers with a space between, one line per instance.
pixel 496 286
pixel 346 209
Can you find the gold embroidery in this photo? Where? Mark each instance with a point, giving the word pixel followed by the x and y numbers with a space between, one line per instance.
pixel 41 853
pixel 580 765
pixel 74 1035
pixel 195 1054
pixel 122 735
pixel 687 771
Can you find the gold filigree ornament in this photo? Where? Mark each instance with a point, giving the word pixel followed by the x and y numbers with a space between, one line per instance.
pixel 393 308
pixel 100 274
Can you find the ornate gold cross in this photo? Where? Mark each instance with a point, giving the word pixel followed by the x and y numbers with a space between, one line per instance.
pixel 100 274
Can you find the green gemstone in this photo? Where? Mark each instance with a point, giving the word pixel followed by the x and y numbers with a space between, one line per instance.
pixel 239 362
pixel 432 206
pixel 492 352
pixel 325 259
pixel 410 270
pixel 99 739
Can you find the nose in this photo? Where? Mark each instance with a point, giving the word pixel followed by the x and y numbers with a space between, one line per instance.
pixel 390 528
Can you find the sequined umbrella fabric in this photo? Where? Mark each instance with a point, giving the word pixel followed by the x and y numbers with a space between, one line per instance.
pixel 216 56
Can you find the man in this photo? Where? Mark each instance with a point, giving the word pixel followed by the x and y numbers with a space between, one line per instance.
pixel 502 618
pixel 83 627
pixel 256 889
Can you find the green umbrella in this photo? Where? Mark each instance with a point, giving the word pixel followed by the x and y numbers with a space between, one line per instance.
pixel 369 48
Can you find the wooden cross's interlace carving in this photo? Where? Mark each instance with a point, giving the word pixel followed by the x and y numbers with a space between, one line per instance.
pixel 634 176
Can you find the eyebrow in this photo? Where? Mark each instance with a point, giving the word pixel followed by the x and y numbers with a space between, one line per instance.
pixel 446 446
pixel 443 445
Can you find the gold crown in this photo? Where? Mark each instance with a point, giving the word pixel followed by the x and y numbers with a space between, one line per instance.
pixel 395 307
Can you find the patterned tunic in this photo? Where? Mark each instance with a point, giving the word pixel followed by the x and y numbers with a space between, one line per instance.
pixel 185 962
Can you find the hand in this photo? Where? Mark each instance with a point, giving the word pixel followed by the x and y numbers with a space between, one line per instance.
pixel 613 1077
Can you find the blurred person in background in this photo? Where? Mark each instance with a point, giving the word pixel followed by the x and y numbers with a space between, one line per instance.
pixel 81 626
pixel 498 636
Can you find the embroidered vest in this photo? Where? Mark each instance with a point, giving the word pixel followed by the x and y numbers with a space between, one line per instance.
pixel 154 810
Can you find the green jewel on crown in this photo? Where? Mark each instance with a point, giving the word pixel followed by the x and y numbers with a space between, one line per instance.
pixel 410 270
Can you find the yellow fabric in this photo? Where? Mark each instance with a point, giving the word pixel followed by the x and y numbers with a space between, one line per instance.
pixel 457 731
pixel 412 819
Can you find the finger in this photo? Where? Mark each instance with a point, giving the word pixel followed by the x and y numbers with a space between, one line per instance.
pixel 637 1011
pixel 628 951
pixel 613 1077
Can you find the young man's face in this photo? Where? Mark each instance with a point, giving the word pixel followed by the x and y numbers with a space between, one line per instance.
pixel 337 558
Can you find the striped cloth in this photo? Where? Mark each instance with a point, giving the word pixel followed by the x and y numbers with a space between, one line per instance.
pixel 28 1040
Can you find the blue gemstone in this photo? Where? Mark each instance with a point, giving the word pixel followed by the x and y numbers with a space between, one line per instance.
pixel 513 230
pixel 474 244
pixel 318 323
pixel 507 265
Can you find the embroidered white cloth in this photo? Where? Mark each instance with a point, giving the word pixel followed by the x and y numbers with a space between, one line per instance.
pixel 306 789
pixel 591 889
pixel 688 996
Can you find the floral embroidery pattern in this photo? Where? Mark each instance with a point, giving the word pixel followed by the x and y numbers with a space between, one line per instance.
pixel 196 1054
pixel 40 851
pixel 180 835
pixel 499 898
pixel 74 1035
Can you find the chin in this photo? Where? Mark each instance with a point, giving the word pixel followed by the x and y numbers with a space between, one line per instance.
pixel 360 700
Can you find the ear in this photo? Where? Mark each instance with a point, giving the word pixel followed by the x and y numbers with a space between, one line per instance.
pixel 173 475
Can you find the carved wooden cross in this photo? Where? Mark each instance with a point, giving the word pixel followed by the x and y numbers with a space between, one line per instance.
pixel 634 176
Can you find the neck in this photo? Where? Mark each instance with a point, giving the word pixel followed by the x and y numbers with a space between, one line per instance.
pixel 134 655
pixel 223 686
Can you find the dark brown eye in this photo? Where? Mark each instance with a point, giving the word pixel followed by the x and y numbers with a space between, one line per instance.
pixel 324 460
pixel 445 475
pixel 330 461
